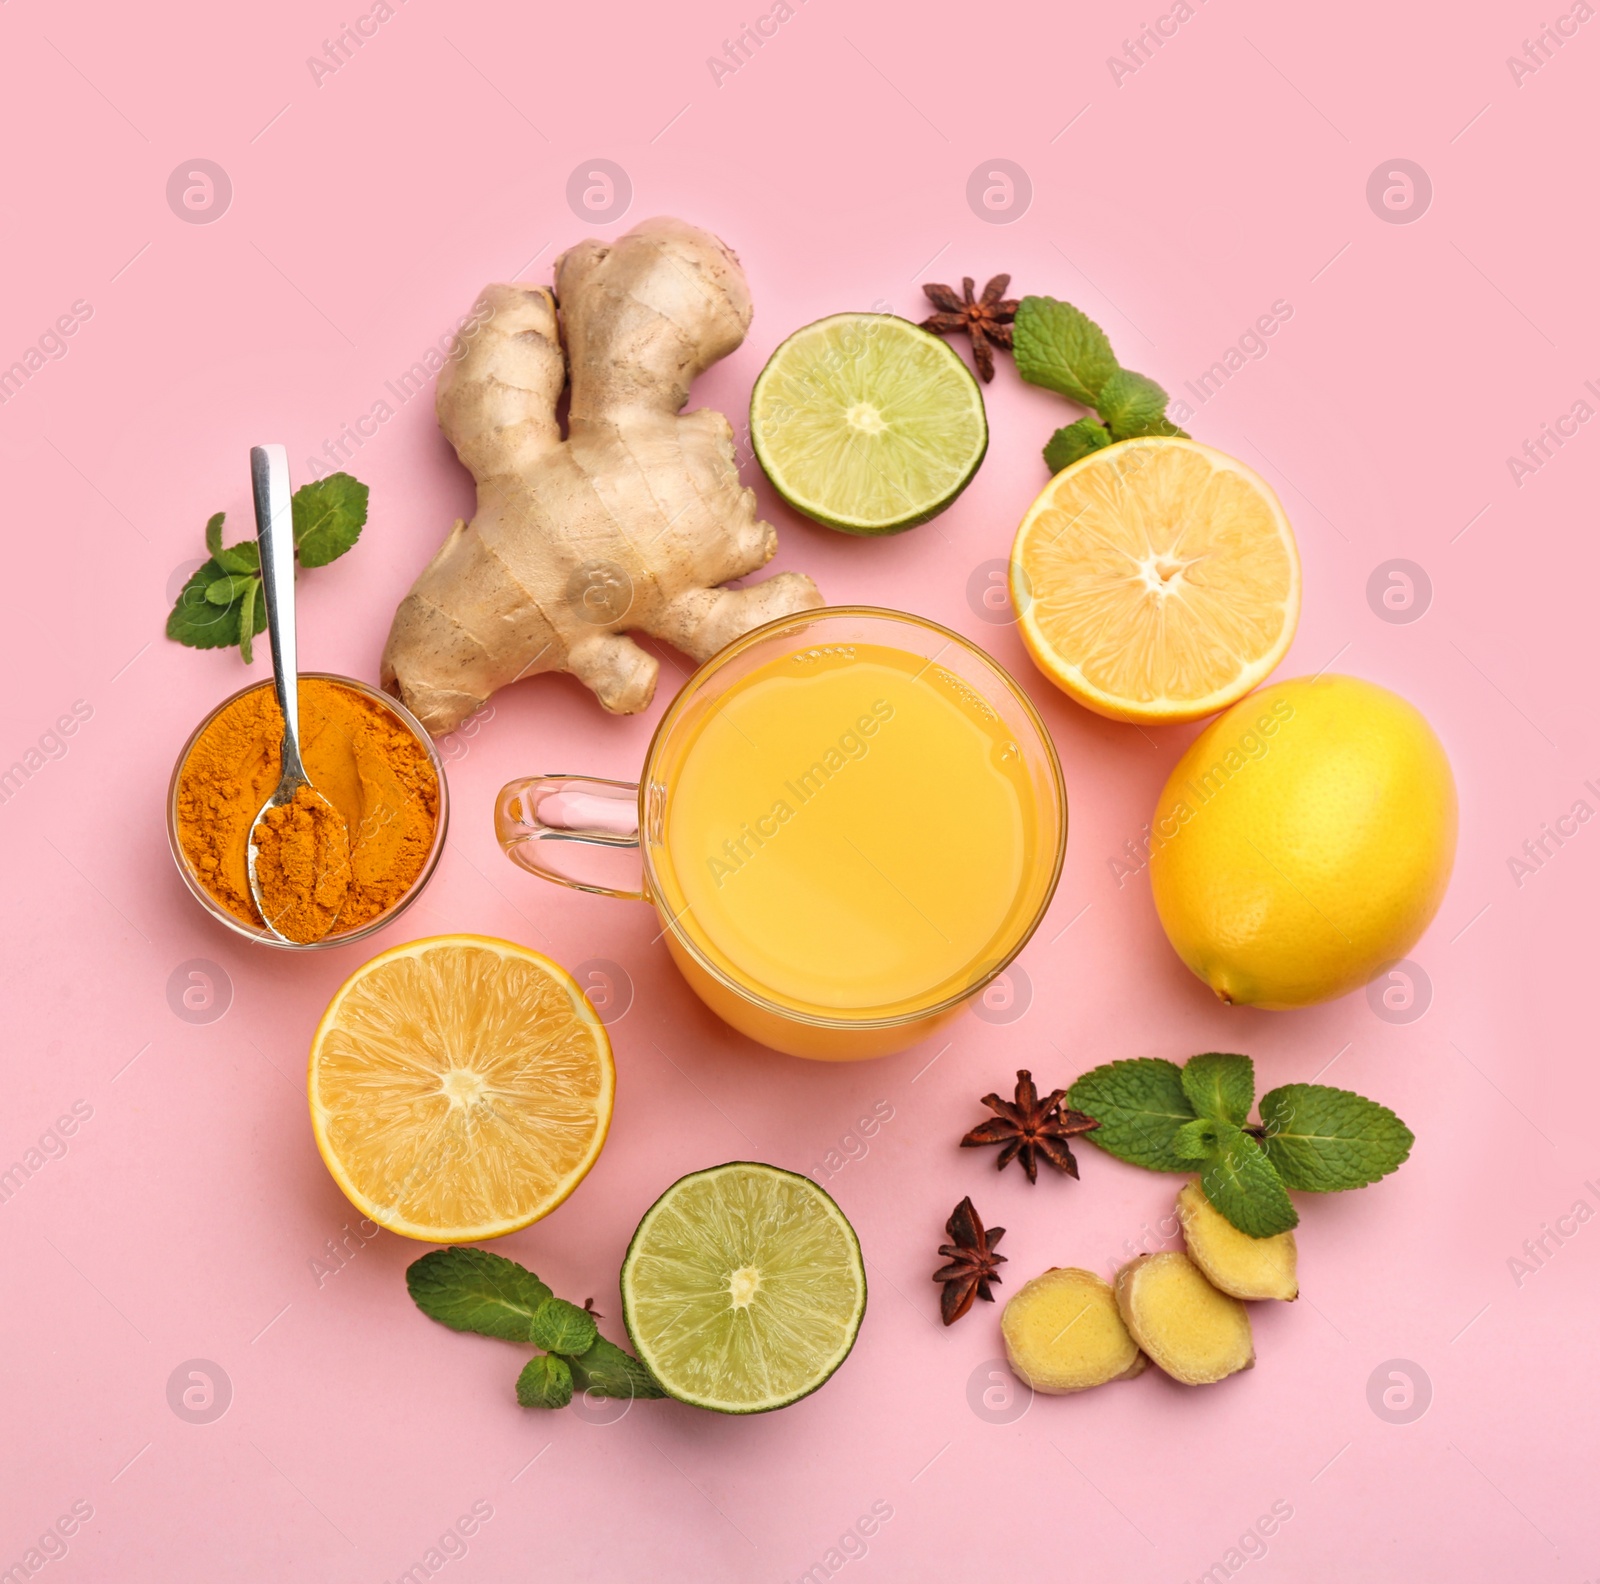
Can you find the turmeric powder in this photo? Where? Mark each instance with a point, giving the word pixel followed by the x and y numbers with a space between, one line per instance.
pixel 358 755
pixel 302 865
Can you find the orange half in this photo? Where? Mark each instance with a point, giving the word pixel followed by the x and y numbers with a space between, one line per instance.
pixel 1156 580
pixel 461 1088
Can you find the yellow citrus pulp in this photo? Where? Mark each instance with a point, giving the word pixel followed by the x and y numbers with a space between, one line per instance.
pixel 460 1088
pixel 1156 580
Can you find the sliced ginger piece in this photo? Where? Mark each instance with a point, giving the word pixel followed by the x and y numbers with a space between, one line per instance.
pixel 1063 1333
pixel 1233 1261
pixel 1195 1333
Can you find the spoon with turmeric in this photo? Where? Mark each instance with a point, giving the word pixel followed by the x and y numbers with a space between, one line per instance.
pixel 299 853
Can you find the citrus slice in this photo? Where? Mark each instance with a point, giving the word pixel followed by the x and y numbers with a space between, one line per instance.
pixel 743 1288
pixel 1156 580
pixel 867 423
pixel 460 1088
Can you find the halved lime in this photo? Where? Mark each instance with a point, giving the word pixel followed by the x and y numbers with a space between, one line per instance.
pixel 867 423
pixel 743 1288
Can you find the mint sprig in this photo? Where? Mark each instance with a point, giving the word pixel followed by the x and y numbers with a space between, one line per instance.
pixel 470 1289
pixel 1311 1138
pixel 1061 348
pixel 220 606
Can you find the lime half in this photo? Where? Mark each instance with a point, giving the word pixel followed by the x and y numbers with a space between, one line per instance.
pixel 867 424
pixel 743 1288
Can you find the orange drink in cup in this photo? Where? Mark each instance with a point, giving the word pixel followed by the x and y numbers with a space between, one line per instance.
pixel 850 821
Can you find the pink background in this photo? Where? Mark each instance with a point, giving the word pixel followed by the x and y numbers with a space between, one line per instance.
pixel 1230 171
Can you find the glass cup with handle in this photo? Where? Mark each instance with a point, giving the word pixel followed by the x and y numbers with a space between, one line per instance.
pixel 849 822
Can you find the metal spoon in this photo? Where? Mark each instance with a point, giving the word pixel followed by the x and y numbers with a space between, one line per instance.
pixel 269 478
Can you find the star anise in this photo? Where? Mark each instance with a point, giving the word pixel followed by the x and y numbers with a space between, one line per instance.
pixel 972 1262
pixel 1029 1127
pixel 986 319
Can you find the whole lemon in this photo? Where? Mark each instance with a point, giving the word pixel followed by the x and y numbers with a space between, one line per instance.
pixel 1304 842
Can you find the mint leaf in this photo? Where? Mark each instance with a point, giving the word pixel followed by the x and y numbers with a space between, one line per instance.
pixel 214 534
pixel 545 1382
pixel 228 588
pixel 470 1289
pixel 1131 404
pixel 328 517
pixel 562 1327
pixel 1140 1105
pixel 1220 1086
pixel 243 558
pixel 252 618
pixel 1202 1138
pixel 607 1371
pixel 1322 1139
pixel 1241 1183
pixel 195 621
pixel 1065 446
pixel 1165 426
pixel 1061 348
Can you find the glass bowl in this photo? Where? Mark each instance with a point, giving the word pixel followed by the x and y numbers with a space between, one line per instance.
pixel 257 933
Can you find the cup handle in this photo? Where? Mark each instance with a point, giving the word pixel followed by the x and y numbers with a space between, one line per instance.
pixel 540 820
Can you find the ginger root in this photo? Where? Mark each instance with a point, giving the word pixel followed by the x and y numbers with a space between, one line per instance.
pixel 1235 1263
pixel 1195 1333
pixel 1063 1333
pixel 628 524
